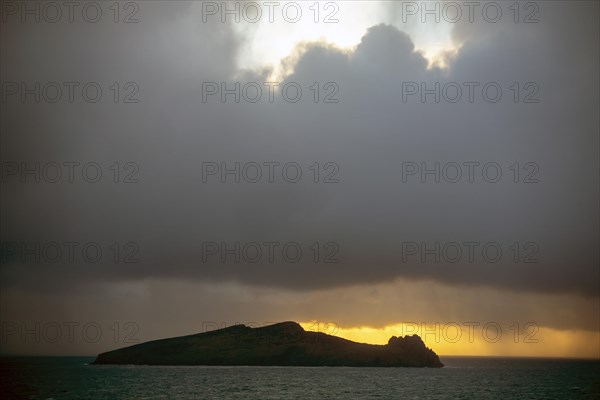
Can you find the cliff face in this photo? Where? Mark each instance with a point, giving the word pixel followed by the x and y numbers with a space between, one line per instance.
pixel 283 344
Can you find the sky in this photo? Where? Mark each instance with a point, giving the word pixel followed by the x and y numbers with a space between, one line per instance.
pixel 437 178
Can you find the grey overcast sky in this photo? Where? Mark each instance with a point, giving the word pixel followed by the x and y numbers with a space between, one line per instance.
pixel 527 182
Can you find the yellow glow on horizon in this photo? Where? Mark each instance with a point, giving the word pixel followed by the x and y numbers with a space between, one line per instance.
pixel 471 340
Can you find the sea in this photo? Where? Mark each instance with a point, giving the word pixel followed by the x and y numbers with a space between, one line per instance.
pixel 462 378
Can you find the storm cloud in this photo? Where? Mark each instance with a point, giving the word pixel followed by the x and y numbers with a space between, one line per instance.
pixel 371 212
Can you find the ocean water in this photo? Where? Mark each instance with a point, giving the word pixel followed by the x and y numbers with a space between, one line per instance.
pixel 462 378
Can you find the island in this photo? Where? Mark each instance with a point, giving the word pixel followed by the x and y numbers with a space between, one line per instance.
pixel 281 344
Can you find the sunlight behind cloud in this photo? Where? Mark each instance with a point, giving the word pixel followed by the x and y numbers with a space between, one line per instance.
pixel 338 24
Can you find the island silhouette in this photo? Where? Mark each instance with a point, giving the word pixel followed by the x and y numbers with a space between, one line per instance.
pixel 281 344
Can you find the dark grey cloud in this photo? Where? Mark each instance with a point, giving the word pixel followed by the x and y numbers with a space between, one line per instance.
pixel 368 134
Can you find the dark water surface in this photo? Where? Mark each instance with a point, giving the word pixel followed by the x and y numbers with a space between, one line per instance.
pixel 462 378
